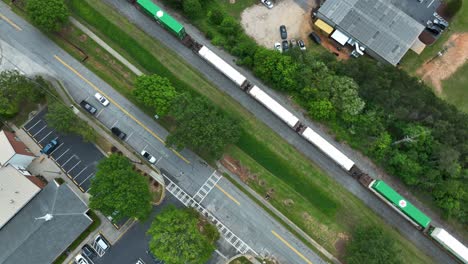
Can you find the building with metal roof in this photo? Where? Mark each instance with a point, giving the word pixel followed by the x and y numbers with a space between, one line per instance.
pixel 45 227
pixel 385 29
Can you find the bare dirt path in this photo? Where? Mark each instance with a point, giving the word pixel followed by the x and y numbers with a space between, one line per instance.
pixel 440 68
pixel 262 23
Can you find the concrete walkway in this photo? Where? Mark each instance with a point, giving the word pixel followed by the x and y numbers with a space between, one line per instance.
pixel 104 45
pixel 279 214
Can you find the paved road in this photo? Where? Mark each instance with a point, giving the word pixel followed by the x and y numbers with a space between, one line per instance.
pixel 27 49
pixel 391 217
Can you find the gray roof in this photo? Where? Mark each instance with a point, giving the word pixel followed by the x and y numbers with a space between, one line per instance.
pixel 377 24
pixel 27 240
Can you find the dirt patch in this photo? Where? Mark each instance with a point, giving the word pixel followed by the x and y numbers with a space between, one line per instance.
pixel 235 167
pixel 453 55
pixel 263 24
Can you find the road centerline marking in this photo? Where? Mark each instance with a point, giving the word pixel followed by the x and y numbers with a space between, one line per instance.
pixel 11 22
pixel 118 106
pixel 291 247
pixel 227 194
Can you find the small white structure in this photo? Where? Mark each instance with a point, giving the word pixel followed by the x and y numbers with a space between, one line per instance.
pixel 340 37
pixel 14 151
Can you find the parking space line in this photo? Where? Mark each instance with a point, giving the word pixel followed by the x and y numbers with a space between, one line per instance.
pixel 86 178
pixel 117 105
pixel 39 130
pixel 63 165
pixel 46 136
pixel 128 137
pixel 99 112
pixel 80 172
pixel 34 125
pixel 56 160
pixel 291 247
pixel 56 149
pixel 115 123
pixel 227 194
pixel 74 166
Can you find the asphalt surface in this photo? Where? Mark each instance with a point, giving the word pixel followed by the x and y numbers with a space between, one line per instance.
pixel 77 158
pixel 332 169
pixel 25 48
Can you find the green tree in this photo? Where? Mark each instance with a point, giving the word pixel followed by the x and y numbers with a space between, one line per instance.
pixel 371 245
pixel 406 168
pixel 382 145
pixel 155 91
pixel 230 27
pixel 175 237
pixel 192 8
pixel 48 15
pixel 278 69
pixel 321 110
pixel 62 118
pixel 201 126
pixel 119 191
pixel 216 16
pixel 344 95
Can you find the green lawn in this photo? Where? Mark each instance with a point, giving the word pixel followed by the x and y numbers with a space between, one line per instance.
pixel 321 205
pixel 455 88
pixel 239 6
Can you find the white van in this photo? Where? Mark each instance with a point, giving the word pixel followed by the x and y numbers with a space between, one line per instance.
pixel 100 242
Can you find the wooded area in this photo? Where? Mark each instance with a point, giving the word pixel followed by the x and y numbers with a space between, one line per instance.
pixel 378 109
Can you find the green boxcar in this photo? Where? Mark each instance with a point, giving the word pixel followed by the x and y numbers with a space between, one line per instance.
pixel 400 203
pixel 162 17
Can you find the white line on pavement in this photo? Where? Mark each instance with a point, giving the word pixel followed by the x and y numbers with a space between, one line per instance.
pixel 45 136
pixel 61 155
pixel 34 125
pixel 39 131
pixel 74 166
pixel 63 165
pixel 56 149
pixel 80 172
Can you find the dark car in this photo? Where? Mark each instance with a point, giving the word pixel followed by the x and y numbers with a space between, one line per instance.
pixel 283 32
pixel 88 107
pixel 435 31
pixel 285 45
pixel 301 44
pixel 88 251
pixel 116 131
pixel 47 149
pixel 315 37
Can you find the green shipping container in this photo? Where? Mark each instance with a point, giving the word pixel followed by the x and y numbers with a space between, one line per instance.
pixel 162 17
pixel 400 203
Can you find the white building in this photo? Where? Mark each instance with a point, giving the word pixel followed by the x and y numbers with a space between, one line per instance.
pixel 14 152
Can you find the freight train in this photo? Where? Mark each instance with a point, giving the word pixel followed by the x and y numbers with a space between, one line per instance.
pixel 377 187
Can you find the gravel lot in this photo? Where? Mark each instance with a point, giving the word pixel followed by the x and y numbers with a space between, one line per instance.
pixel 263 24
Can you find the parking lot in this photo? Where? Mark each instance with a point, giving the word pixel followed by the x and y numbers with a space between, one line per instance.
pixel 77 158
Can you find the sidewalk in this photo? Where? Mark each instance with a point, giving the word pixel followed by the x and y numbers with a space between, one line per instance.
pixel 322 250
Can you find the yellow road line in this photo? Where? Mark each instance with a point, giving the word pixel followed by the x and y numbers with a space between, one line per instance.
pixel 10 22
pixel 117 105
pixel 227 194
pixel 291 247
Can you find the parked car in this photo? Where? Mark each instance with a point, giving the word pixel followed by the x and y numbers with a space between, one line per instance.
pixel 315 37
pixel 116 131
pixel 267 3
pixel 301 44
pixel 148 156
pixel 88 251
pixel 285 45
pixel 101 99
pixel 101 242
pixel 293 43
pixel 80 259
pixel 283 32
pixel 47 149
pixel 435 31
pixel 278 47
pixel 88 107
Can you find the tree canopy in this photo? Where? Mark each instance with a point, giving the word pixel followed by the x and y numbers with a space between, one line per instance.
pixel 176 238
pixel 119 191
pixel 62 118
pixel 156 92
pixel 16 89
pixel 371 245
pixel 48 15
pixel 201 126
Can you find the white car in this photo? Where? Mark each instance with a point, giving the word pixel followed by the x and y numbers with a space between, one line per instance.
pixel 80 259
pixel 267 3
pixel 278 47
pixel 100 242
pixel 101 99
pixel 148 156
